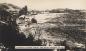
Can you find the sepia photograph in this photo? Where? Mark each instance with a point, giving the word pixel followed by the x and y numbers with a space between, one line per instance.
pixel 42 25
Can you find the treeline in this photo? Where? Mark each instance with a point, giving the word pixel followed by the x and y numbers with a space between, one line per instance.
pixel 66 10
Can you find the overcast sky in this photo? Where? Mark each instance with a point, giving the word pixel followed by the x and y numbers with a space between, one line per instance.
pixel 48 4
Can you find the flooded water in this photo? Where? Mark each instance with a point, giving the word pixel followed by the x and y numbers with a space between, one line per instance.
pixel 41 18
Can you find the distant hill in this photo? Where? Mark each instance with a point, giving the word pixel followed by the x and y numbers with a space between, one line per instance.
pixel 8 11
pixel 8 6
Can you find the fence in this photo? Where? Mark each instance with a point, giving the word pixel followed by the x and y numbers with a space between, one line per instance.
pixel 53 48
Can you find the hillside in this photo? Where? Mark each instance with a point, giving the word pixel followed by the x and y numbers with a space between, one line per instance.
pixel 56 28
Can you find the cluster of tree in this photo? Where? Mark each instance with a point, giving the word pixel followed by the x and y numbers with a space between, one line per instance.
pixel 23 11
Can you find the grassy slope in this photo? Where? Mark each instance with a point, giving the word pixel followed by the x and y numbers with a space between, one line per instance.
pixel 54 31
